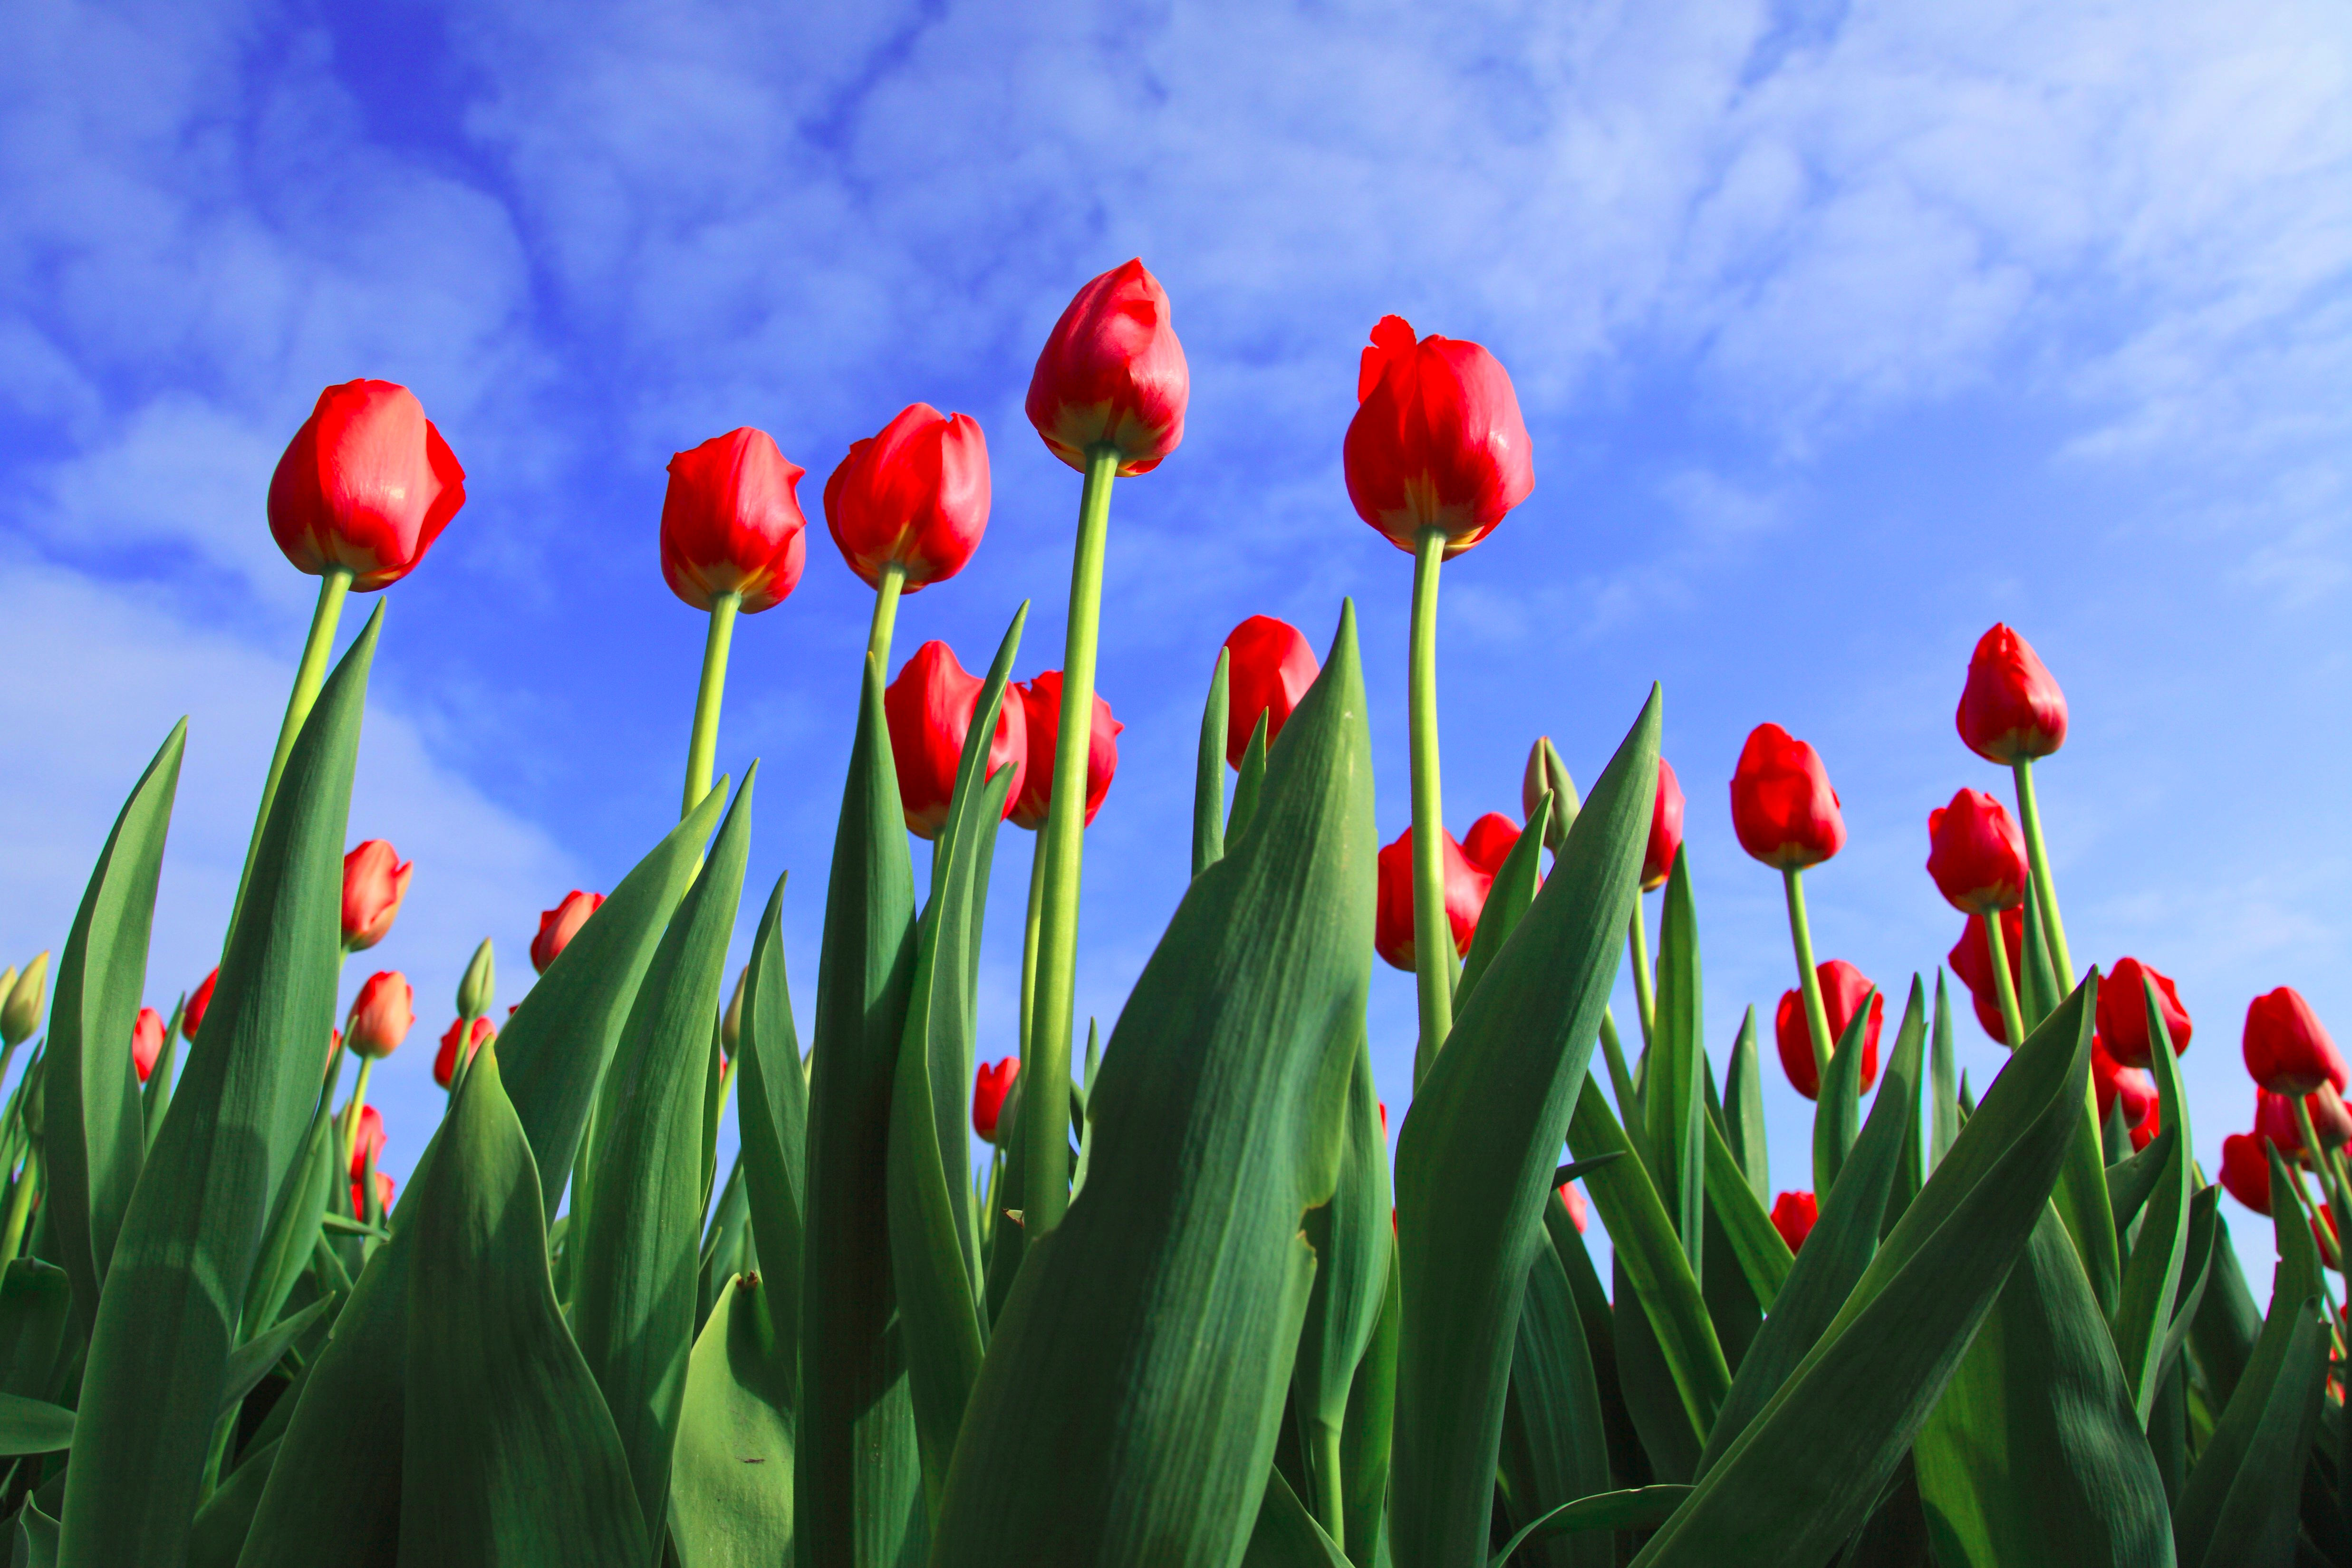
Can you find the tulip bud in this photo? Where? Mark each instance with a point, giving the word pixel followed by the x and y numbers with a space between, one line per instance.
pixel 2116 1084
pixel 1782 807
pixel 2246 1171
pixel 381 1015
pixel 367 1146
pixel 1437 441
pixel 1976 854
pixel 731 1022
pixel 478 989
pixel 2330 1119
pixel 2288 1050
pixel 1112 374
pixel 1271 667
pixel 2275 1122
pixel 1843 988
pixel 445 1061
pixel 146 1042
pixel 2011 709
pixel 989 1088
pixel 559 925
pixel 375 881
pixel 366 485
pixel 929 709
pixel 384 1191
pixel 2145 1133
pixel 1392 922
pixel 1972 959
pixel 916 497
pixel 1572 1197
pixel 2123 1012
pixel 1666 830
pixel 1041 700
pixel 731 522
pixel 1547 771
pixel 7 983
pixel 199 1002
pixel 1489 841
pixel 1794 1215
pixel 21 1014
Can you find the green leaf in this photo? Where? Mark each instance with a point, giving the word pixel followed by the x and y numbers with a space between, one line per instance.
pixel 1675 1094
pixel 222 1525
pixel 2130 1182
pixel 1247 782
pixel 633 1304
pixel 1628 1465
pixel 167 1321
pixel 295 1221
pixel 2226 1325
pixel 1943 1094
pixel 1809 1468
pixel 254 1360
pixel 37 1536
pixel 510 1453
pixel 94 1133
pixel 1637 1508
pixel 730 1494
pixel 2254 1521
pixel 34 1426
pixel 1365 1441
pixel 1285 1535
pixel 1837 1117
pixel 771 1120
pixel 2152 1280
pixel 1127 1409
pixel 1209 772
pixel 1507 902
pixel 1671 1436
pixel 857 1474
pixel 36 1308
pixel 1743 1116
pixel 1754 1242
pixel 1555 1448
pixel 1476 1154
pixel 721 1244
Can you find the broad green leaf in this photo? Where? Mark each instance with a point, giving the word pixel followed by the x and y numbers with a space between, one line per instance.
pixel 167 1321
pixel 1247 782
pixel 1508 901
pixel 1755 1242
pixel 1555 1448
pixel 227 1518
pixel 2038 986
pixel 95 1130
pixel 1127 1409
pixel 730 1493
pixel 1285 1535
pixel 1809 1468
pixel 2254 1522
pixel 771 1119
pixel 254 1359
pixel 2152 1278
pixel 510 1453
pixel 1625 1087
pixel 1478 1151
pixel 1837 1114
pixel 857 1476
pixel 2130 1182
pixel 1671 1436
pixel 1743 1116
pixel 37 1536
pixel 1731 1304
pixel 34 1426
pixel 633 1304
pixel 1209 772
pixel 1637 1508
pixel 295 1219
pixel 2223 1332
pixel 1675 1095
pixel 1943 1093
pixel 1627 1466
pixel 1365 1440
pixel 722 1243
pixel 35 1314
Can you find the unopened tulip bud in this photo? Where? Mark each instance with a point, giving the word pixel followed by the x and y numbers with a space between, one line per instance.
pixel 2288 1050
pixel 366 486
pixel 1112 375
pixel 1271 665
pixel 1041 700
pixel 559 925
pixel 2123 1012
pixel 375 881
pixel 1972 959
pixel 1843 989
pixel 444 1060
pixel 1782 807
pixel 367 1144
pixel 2115 1085
pixel 478 989
pixel 1437 441
pixel 731 522
pixel 381 1015
pixel 1489 841
pixel 146 1042
pixel 731 1022
pixel 1794 1215
pixel 1466 887
pixel 2011 709
pixel 1572 1197
pixel 1666 830
pixel 1976 854
pixel 989 1088
pixel 21 1014
pixel 914 496
pixel 1547 771
pixel 2246 1171
pixel 200 1000
pixel 929 709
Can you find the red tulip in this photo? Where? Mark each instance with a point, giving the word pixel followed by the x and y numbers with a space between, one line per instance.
pixel 1437 441
pixel 731 522
pixel 192 1016
pixel 2287 1049
pixel 366 485
pixel 559 925
pixel 1112 374
pixel 375 880
pixel 146 1042
pixel 2123 1012
pixel 1843 990
pixel 1040 698
pixel 369 1144
pixel 989 1088
pixel 930 708
pixel 1782 807
pixel 1271 665
pixel 916 496
pixel 1971 960
pixel 2246 1171
pixel 1976 854
pixel 2145 1133
pixel 2327 1243
pixel 1488 844
pixel 1578 1210
pixel 2113 1082
pixel 1666 830
pixel 1794 1215
pixel 1392 922
pixel 2275 1120
pixel 445 1061
pixel 2011 709
pixel 384 1191
pixel 381 1015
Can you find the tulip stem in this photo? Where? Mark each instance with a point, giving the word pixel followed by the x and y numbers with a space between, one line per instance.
pixel 1809 981
pixel 886 614
pixel 1029 941
pixel 1646 986
pixel 1045 1055
pixel 702 748
pixel 308 676
pixel 1433 934
pixel 2323 1163
pixel 2011 1020
pixel 359 1102
pixel 2045 891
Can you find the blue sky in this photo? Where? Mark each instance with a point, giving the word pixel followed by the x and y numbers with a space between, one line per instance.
pixel 1841 331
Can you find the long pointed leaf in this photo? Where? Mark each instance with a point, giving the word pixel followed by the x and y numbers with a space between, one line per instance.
pixel 1743 1112
pixel 771 1118
pixel 1209 773
pixel 731 1489
pixel 1837 1117
pixel 1673 1096
pixel 1555 1448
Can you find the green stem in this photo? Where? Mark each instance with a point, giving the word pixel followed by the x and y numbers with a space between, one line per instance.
pixel 1433 934
pixel 1045 1058
pixel 2012 1018
pixel 1817 1015
pixel 2045 891
pixel 2323 1163
pixel 702 748
pixel 20 1205
pixel 1645 986
pixel 308 676
pixel 1324 1465
pixel 885 615
pixel 359 1102
pixel 1029 943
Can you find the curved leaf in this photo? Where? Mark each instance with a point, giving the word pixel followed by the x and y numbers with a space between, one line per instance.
pixel 34 1426
pixel 731 1495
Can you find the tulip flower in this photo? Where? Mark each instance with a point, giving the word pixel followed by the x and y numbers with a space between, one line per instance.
pixel 1393 923
pixel 1794 1215
pixel 2280 1121
pixel 1666 830
pixel 2123 1012
pixel 383 1191
pixel 381 1016
pixel 365 488
pixel 2246 1171
pixel 375 881
pixel 989 1088
pixel 1437 444
pixel 2288 1050
pixel 1040 698
pixel 1272 665
pixel 445 1061
pixel 2145 1133
pixel 1546 772
pixel 1976 854
pixel 1489 841
pixel 146 1042
pixel 20 1015
pixel 1572 1197
pixel 191 1018
pixel 732 538
pixel 1843 989
pixel 1112 377
pixel 1782 807
pixel 1972 959
pixel 930 708
pixel 559 925
pixel 368 1145
pixel 908 506
pixel 2011 709
pixel 2114 1083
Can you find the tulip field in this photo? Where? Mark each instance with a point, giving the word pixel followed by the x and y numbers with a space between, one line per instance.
pixel 1170 1295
